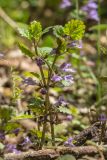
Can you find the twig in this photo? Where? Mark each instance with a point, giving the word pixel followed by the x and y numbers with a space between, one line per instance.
pixel 87 134
pixel 52 154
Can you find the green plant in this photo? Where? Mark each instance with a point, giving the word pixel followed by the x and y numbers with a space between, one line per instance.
pixel 50 73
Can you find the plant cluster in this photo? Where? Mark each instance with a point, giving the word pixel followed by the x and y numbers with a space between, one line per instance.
pixel 52 71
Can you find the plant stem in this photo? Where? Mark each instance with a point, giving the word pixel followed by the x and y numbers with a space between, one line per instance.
pixel 52 127
pixel 77 9
pixel 98 59
pixel 46 100
pixel 40 67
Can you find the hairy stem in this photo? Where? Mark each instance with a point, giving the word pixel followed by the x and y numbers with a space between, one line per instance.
pixel 40 67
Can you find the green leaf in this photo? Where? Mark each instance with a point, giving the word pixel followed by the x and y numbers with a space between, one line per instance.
pixel 24 32
pixel 35 74
pixel 36 106
pixel 31 74
pixel 74 110
pixel 75 29
pixel 64 110
pixel 25 50
pixel 66 83
pixel 99 27
pixel 35 30
pixel 58 31
pixel 22 116
pixel 5 112
pixel 46 30
pixel 44 50
pixel 11 126
pixel 36 102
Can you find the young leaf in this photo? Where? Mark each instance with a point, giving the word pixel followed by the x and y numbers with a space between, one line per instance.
pixel 35 30
pixel 46 30
pixel 24 32
pixel 44 50
pixel 36 102
pixel 75 29
pixel 25 50
pixel 58 31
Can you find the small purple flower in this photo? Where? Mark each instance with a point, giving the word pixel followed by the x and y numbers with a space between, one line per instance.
pixel 61 101
pixel 29 81
pixel 92 5
pixel 56 78
pixel 12 148
pixel 16 151
pixel 65 4
pixel 69 142
pixel 26 141
pixel 91 9
pixel 77 44
pixel 43 91
pixel 102 117
pixel 68 78
pixel 69 117
pixel 39 61
pixel 93 15
pixel 16 131
pixel 66 67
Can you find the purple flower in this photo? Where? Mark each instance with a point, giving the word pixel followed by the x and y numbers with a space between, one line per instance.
pixel 61 101
pixel 91 9
pixel 69 142
pixel 68 78
pixel 43 91
pixel 39 61
pixel 102 117
pixel 12 148
pixel 93 15
pixel 91 4
pixel 56 78
pixel 69 117
pixel 29 81
pixel 77 44
pixel 66 67
pixel 16 131
pixel 26 141
pixel 65 4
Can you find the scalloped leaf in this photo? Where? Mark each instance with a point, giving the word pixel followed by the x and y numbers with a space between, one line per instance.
pixel 75 29
pixel 58 31
pixel 35 30
pixel 24 32
pixel 44 50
